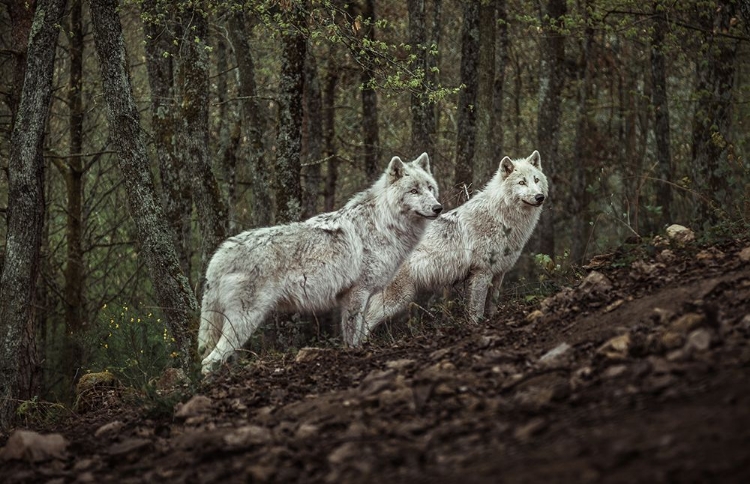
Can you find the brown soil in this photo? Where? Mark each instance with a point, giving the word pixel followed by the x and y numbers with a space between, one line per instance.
pixel 654 386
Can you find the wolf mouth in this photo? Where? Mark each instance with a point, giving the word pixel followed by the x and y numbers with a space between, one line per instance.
pixel 532 204
pixel 431 217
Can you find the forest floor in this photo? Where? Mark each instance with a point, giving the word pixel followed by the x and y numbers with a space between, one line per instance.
pixel 639 373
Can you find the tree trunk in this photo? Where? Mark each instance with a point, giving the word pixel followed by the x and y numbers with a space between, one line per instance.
pixel 661 116
pixel 155 238
pixel 314 131
pixel 191 76
pixel 422 110
pixel 485 157
pixel 582 150
pixel 230 134
pixel 291 95
pixel 251 113
pixel 712 121
pixel 73 175
pixel 501 61
pixel 329 129
pixel 370 131
pixel 175 189
pixel 551 82
pixel 467 100
pixel 21 16
pixel 18 356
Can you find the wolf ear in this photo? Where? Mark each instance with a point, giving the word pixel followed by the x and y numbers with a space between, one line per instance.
pixel 536 160
pixel 423 162
pixel 506 167
pixel 396 169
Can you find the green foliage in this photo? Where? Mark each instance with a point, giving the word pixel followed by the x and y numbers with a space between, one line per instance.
pixel 133 344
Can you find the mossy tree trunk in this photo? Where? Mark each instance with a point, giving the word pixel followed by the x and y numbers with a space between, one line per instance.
pixel 18 357
pixel 422 111
pixel 158 26
pixel 329 129
pixel 467 100
pixel 262 210
pixel 313 136
pixel 370 130
pixel 484 158
pixel 661 115
pixel 154 234
pixel 191 76
pixel 288 187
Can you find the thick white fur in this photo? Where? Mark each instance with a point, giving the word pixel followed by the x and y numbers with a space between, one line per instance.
pixel 477 242
pixel 337 258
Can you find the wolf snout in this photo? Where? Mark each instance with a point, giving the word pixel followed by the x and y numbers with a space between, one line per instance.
pixel 437 208
pixel 539 198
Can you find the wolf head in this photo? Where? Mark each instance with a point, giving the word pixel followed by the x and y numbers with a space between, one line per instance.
pixel 523 180
pixel 413 186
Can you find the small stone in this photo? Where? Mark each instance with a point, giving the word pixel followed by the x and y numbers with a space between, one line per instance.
pixel 192 408
pixel 129 447
pixel 614 371
pixel 109 429
pixel 687 322
pixel 663 316
pixel 555 353
pixel 665 256
pixel 616 348
pixel 534 315
pixel 680 234
pixel 399 364
pixel 595 283
pixel 672 339
pixel 745 254
pixel 614 305
pixel 699 340
pixel 309 354
pixel 34 447
pixel 306 431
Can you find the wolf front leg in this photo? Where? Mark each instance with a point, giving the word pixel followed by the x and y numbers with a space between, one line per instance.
pixel 490 305
pixel 479 283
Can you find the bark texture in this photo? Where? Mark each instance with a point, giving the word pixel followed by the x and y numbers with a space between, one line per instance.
pixel 484 161
pixel 329 130
pixel 154 235
pixel 467 100
pixel 370 130
pixel 175 189
pixel 191 75
pixel 288 187
pixel 313 136
pixel 18 359
pixel 239 31
pixel 422 111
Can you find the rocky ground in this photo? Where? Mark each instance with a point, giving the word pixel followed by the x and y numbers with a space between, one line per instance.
pixel 639 373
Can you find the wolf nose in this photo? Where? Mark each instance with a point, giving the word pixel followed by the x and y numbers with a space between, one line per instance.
pixel 437 209
pixel 539 198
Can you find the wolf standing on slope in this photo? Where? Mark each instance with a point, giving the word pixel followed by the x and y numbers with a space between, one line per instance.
pixel 477 242
pixel 336 258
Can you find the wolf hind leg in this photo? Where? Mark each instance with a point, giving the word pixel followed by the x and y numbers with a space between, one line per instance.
pixel 479 283
pixel 236 331
pixel 353 328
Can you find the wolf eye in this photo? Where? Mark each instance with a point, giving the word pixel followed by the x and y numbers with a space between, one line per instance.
pixel 431 188
pixel 536 180
pixel 413 191
pixel 522 182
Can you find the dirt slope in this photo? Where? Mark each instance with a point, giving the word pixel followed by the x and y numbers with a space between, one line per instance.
pixel 640 373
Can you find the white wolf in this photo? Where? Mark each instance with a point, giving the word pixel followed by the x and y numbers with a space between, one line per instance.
pixel 337 258
pixel 477 242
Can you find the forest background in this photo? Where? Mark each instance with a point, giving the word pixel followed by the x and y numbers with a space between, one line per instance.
pixel 136 135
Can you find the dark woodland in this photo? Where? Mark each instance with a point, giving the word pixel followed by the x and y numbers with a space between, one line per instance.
pixel 137 135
